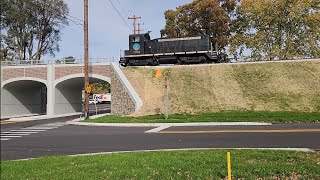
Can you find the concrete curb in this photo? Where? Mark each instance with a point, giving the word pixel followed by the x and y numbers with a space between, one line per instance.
pixel 44 117
pixel 197 149
pixel 182 149
pixel 76 122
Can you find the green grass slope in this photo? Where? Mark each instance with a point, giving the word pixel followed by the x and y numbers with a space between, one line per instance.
pixel 269 86
pixel 205 164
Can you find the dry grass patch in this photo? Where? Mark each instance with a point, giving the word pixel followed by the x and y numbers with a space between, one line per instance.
pixel 284 86
pixel 279 86
pixel 149 90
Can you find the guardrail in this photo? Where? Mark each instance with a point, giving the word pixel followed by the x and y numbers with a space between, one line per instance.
pixel 59 61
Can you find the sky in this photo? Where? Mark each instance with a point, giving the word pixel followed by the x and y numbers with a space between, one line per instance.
pixel 108 33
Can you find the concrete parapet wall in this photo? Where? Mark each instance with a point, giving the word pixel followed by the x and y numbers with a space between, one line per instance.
pixel 70 69
pixel 125 100
pixel 39 72
pixel 61 71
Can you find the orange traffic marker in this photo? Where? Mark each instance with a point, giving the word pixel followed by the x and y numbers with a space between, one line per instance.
pixel 158 73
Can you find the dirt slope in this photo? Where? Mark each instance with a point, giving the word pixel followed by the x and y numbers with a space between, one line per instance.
pixel 270 86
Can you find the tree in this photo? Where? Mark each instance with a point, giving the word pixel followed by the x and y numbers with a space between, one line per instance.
pixel 33 27
pixel 277 29
pixel 5 53
pixel 100 88
pixel 210 17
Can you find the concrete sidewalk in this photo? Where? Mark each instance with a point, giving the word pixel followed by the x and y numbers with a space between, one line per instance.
pixel 43 117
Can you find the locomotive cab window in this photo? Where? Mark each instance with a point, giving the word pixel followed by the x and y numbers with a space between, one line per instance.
pixel 136 39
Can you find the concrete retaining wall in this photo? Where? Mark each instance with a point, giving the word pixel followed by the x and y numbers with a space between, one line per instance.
pixel 67 99
pixel 20 100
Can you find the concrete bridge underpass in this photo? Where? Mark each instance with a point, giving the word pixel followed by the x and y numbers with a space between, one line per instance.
pixel 56 89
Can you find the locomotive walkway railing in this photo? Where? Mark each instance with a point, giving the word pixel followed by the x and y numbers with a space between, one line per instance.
pixel 59 61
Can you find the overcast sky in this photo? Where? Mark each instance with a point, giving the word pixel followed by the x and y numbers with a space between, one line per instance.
pixel 108 33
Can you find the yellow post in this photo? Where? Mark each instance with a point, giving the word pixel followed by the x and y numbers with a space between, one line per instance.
pixel 229 165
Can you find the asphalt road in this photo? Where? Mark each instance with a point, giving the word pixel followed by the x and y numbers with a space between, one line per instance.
pixel 54 137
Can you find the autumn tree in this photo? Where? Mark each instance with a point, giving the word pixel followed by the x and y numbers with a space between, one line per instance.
pixel 32 28
pixel 277 29
pixel 210 17
pixel 100 88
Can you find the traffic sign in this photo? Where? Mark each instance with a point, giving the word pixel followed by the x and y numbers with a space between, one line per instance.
pixel 88 89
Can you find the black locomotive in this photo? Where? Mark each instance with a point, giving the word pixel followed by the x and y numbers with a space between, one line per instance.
pixel 180 50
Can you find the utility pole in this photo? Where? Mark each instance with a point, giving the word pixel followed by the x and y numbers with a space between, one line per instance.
pixel 134 22
pixel 86 61
pixel 139 29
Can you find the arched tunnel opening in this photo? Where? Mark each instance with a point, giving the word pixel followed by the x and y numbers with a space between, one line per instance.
pixel 69 99
pixel 24 97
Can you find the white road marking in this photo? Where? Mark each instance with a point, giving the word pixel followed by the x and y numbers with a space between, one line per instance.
pixel 21 132
pixel 14 134
pixel 4 139
pixel 29 130
pixel 26 130
pixel 51 125
pixel 155 130
pixel 34 127
pixel 9 136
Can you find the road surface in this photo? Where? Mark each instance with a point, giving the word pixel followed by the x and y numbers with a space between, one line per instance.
pixel 32 139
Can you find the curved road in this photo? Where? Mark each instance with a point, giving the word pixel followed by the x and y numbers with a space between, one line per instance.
pixel 29 139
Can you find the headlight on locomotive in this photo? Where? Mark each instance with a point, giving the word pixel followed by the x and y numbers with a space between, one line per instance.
pixel 136 46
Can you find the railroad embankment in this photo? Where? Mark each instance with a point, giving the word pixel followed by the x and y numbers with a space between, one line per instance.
pixel 267 86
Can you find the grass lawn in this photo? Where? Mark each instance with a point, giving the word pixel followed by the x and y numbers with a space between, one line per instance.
pixel 232 116
pixel 199 164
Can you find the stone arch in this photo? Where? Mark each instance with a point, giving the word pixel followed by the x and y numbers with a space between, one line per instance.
pixel 23 79
pixel 79 75
pixel 67 92
pixel 23 96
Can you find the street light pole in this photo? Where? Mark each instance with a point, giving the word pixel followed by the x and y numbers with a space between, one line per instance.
pixel 86 60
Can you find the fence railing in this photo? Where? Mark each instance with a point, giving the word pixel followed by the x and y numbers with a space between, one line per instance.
pixel 59 61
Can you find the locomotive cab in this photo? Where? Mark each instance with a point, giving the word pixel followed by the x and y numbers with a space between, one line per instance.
pixel 137 43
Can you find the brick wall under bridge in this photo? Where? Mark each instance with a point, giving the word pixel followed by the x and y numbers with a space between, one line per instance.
pixel 22 88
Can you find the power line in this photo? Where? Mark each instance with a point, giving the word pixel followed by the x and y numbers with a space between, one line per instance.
pixel 126 7
pixel 122 8
pixel 119 14
pixel 76 18
pixel 78 24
